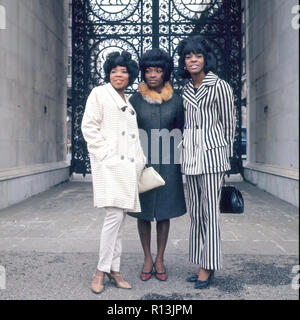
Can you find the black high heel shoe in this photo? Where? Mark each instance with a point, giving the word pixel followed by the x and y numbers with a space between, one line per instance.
pixel 199 284
pixel 192 278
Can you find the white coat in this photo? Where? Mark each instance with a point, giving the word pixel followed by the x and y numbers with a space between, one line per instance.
pixel 110 129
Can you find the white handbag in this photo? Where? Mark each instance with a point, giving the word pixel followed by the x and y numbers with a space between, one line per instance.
pixel 150 179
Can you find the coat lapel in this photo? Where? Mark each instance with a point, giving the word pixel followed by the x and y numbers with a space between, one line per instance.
pixel 117 98
pixel 121 104
pixel 201 93
pixel 195 98
pixel 189 94
pixel 209 80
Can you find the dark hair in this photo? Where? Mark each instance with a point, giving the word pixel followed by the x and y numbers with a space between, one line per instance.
pixel 194 44
pixel 157 58
pixel 123 59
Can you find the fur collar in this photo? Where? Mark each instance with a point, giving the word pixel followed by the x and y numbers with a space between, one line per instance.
pixel 152 96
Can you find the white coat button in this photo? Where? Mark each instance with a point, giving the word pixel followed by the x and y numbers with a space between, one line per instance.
pixel 122 157
pixel 132 159
pixel 123 133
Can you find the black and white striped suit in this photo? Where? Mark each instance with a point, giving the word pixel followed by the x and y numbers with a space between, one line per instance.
pixel 207 144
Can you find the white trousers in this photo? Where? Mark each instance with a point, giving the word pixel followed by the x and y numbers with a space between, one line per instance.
pixel 111 240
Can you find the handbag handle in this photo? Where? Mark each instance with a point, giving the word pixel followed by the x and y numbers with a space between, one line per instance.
pixel 223 180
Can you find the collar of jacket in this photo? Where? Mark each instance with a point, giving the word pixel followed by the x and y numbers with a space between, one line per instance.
pixel 118 100
pixel 153 96
pixel 195 98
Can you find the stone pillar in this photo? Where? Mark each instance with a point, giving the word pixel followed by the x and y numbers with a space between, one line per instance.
pixel 33 61
pixel 273 98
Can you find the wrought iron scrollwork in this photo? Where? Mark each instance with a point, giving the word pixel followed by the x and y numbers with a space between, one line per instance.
pixel 102 26
pixel 112 10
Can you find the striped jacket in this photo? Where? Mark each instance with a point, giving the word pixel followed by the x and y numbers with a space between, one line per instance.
pixel 209 126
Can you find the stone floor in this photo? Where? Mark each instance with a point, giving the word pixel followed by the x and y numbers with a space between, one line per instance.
pixel 49 250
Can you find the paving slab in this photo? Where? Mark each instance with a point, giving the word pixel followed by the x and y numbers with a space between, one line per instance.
pixel 49 250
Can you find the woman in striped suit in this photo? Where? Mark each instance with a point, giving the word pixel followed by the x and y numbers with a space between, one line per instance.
pixel 206 147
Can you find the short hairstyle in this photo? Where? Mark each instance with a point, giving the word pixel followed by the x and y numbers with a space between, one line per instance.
pixel 194 44
pixel 157 58
pixel 123 59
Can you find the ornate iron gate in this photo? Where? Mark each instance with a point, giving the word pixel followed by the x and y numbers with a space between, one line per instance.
pixel 102 26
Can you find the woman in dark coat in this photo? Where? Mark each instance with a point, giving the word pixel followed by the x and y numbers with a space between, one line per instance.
pixel 159 114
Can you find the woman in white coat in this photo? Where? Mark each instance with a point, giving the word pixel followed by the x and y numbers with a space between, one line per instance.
pixel 110 129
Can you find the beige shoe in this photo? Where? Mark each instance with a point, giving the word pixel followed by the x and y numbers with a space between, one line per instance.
pixel 119 281
pixel 98 283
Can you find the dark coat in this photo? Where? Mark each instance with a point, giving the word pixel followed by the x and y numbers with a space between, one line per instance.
pixel 163 111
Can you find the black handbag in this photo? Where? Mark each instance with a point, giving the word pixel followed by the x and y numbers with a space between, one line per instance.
pixel 231 200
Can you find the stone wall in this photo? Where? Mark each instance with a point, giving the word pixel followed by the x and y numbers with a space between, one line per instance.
pixel 33 61
pixel 273 97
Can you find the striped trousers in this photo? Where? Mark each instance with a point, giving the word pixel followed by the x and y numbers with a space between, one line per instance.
pixel 203 195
